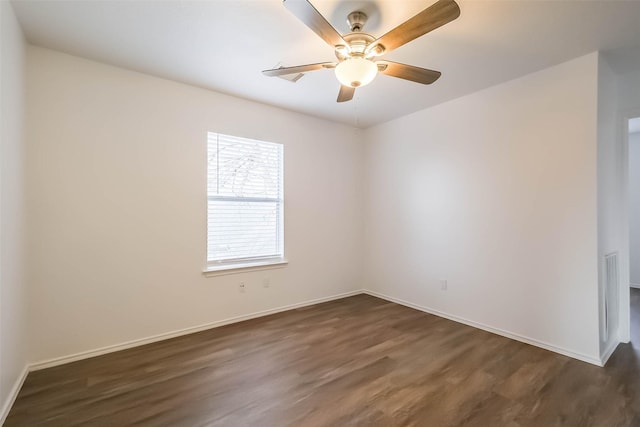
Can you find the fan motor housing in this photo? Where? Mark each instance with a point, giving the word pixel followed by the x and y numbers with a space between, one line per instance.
pixel 358 42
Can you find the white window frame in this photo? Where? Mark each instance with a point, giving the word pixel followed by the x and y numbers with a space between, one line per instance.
pixel 229 266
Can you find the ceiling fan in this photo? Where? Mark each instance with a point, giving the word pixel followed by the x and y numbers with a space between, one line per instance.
pixel 357 51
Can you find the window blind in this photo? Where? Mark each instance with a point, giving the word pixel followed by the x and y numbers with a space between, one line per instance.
pixel 245 200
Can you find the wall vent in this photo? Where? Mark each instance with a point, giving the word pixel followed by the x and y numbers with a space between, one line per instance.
pixel 611 289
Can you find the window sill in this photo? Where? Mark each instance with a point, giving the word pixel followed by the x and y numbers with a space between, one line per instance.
pixel 220 270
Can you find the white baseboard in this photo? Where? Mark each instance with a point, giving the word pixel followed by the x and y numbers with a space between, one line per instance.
pixel 148 340
pixel 608 352
pixel 507 334
pixel 6 407
pixel 635 285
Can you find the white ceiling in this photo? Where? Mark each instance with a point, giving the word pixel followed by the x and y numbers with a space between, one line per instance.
pixel 224 44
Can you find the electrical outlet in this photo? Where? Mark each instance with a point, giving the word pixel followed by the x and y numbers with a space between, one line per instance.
pixel 241 287
pixel 443 284
pixel 266 282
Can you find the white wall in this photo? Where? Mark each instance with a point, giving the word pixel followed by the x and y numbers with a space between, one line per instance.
pixel 117 205
pixel 496 193
pixel 610 201
pixel 13 293
pixel 629 92
pixel 634 207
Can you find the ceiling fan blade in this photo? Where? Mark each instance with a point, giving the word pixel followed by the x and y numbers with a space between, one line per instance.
pixel 408 72
pixel 435 16
pixel 308 14
pixel 346 93
pixel 282 71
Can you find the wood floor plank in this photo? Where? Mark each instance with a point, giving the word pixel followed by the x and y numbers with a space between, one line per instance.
pixel 359 361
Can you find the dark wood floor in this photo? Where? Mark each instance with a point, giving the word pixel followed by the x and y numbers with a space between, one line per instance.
pixel 356 361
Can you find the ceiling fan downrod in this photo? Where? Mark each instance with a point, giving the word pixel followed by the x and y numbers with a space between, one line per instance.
pixel 356 20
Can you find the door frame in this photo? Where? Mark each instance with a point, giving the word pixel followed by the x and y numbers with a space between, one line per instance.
pixel 624 330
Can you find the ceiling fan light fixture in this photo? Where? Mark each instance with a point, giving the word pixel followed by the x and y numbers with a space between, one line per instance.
pixel 356 72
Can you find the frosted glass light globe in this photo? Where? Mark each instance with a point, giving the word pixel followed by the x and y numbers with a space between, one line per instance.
pixel 356 72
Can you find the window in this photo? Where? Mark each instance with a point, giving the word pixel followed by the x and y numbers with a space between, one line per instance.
pixel 245 203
